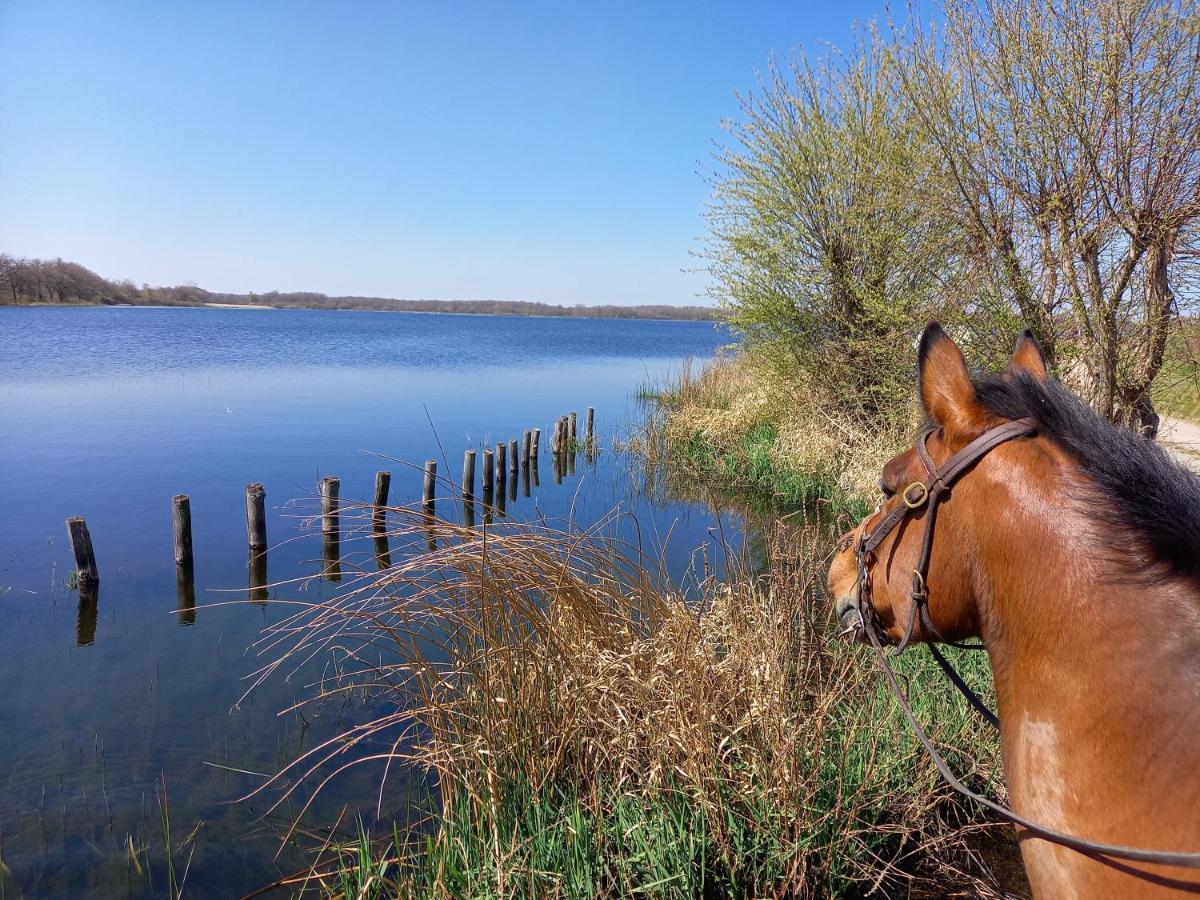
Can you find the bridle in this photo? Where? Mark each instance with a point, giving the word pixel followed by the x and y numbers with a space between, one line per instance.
pixel 930 493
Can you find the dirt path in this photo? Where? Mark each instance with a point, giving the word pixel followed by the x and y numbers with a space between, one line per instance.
pixel 1181 438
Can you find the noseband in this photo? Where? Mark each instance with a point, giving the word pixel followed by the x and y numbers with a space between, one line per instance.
pixel 928 493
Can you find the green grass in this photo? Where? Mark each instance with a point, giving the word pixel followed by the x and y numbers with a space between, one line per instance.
pixel 1176 389
pixel 752 465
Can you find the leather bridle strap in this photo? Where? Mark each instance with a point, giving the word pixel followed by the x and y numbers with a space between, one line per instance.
pixel 930 493
pixel 940 478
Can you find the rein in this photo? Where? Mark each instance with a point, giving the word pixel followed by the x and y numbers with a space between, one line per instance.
pixel 913 497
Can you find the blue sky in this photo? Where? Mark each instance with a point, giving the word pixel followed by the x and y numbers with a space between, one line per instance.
pixel 551 152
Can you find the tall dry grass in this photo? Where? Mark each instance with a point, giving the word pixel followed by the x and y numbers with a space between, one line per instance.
pixel 592 732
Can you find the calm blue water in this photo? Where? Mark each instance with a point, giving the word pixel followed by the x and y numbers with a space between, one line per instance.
pixel 109 412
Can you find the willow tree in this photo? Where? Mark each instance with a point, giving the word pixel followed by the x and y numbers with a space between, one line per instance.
pixel 821 248
pixel 1069 134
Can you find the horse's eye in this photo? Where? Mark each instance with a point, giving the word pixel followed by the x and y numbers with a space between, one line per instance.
pixel 887 491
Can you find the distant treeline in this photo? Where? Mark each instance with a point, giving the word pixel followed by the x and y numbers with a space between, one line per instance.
pixel 36 281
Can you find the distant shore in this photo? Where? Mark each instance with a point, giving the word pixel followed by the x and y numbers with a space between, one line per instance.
pixel 428 307
pixel 58 282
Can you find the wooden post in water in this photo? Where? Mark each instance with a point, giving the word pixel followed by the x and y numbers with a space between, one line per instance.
pixel 589 437
pixel 383 483
pixel 514 462
pixel 560 440
pixel 489 472
pixel 85 556
pixel 574 432
pixel 256 516
pixel 331 486
pixel 533 448
pixel 526 440
pixel 429 494
pixel 468 479
pixel 181 516
pixel 501 453
pixel 554 441
pixel 185 583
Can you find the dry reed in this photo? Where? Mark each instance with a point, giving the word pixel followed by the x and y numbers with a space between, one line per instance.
pixel 525 661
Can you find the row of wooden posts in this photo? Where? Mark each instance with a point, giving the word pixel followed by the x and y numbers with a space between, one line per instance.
pixel 508 459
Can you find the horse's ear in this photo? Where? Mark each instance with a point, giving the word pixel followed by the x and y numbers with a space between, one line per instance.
pixel 946 390
pixel 1027 357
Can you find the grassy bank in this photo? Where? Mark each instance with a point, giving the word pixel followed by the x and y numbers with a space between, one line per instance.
pixel 1177 388
pixel 593 733
pixel 737 428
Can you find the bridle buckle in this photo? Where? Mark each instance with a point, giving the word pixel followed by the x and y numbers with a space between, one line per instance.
pixel 922 495
pixel 920 590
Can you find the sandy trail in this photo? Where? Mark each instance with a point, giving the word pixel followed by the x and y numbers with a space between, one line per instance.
pixel 1181 438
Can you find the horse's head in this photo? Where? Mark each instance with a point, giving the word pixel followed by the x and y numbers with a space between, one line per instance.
pixel 892 564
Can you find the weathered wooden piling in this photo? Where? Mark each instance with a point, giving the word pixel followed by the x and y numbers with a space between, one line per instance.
pixel 383 483
pixel 81 546
pixel 533 448
pixel 501 454
pixel 514 461
pixel 429 493
pixel 468 479
pixel 181 520
pixel 526 440
pixel 573 436
pixel 556 440
pixel 589 436
pixel 256 516
pixel 489 472
pixel 331 486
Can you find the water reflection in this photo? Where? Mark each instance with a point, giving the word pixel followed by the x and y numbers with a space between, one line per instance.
pixel 331 553
pixel 206 402
pixel 85 621
pixel 383 553
pixel 185 593
pixel 256 567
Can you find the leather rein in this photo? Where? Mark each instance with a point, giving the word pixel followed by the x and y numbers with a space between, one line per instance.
pixel 930 493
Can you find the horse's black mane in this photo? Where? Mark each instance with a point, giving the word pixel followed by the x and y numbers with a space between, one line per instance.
pixel 1138 483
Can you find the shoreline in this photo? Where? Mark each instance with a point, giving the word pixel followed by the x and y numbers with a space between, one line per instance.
pixel 713 319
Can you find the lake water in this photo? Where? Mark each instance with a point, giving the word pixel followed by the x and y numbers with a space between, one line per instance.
pixel 111 711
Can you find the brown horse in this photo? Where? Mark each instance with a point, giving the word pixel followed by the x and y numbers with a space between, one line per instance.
pixel 1073 553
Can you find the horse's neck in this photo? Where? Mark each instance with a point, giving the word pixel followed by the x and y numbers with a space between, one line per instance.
pixel 1098 682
